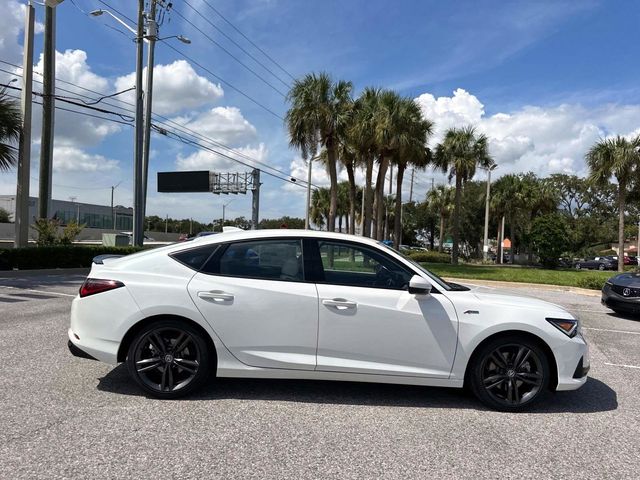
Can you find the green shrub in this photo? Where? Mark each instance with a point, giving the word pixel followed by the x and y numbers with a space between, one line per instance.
pixel 57 256
pixel 430 257
pixel 591 282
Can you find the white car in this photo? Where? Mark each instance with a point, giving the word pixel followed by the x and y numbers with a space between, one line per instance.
pixel 315 305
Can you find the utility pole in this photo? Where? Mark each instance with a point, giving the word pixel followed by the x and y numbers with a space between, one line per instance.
pixel 138 187
pixel 308 208
pixel 255 200
pixel 151 37
pixel 48 112
pixel 24 148
pixel 413 171
pixel 113 212
pixel 166 223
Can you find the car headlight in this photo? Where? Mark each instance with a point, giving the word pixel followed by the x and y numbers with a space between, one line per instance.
pixel 568 326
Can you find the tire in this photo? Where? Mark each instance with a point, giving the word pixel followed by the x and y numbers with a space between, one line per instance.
pixel 578 266
pixel 154 364
pixel 601 267
pixel 509 373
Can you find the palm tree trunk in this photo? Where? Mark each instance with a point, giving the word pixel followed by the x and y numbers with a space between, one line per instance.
pixel 621 205
pixel 333 177
pixel 382 172
pixel 367 198
pixel 512 230
pixel 456 220
pixel 441 239
pixel 397 222
pixel 351 226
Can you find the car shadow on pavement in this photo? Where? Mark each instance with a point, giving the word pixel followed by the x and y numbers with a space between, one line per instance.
pixel 594 396
pixel 624 316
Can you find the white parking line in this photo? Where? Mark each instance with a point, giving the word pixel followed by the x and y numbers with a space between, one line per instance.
pixel 40 291
pixel 621 365
pixel 609 330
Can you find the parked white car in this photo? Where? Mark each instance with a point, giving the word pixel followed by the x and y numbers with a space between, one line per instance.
pixel 316 305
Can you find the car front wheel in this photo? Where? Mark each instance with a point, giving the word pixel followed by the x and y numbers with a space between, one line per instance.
pixel 578 266
pixel 602 267
pixel 168 359
pixel 509 373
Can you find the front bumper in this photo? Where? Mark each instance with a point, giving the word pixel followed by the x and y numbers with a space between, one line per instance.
pixel 618 302
pixel 573 364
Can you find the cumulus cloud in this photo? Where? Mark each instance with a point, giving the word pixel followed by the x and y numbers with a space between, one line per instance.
pixel 206 160
pixel 222 124
pixel 72 159
pixel 540 139
pixel 11 25
pixel 176 87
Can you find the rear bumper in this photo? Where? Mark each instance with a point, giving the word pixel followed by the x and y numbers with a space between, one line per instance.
pixel 78 352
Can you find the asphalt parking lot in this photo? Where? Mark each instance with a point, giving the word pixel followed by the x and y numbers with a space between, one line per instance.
pixel 64 417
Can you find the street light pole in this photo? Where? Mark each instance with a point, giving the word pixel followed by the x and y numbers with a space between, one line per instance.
pixel 485 243
pixel 138 187
pixel 151 37
pixel 24 148
pixel 48 111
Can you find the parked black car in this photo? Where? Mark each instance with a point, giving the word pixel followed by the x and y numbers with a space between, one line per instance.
pixel 622 293
pixel 597 263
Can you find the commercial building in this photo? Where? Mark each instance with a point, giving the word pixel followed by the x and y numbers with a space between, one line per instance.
pixel 92 216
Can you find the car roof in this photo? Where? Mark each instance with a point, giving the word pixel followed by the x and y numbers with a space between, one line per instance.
pixel 240 235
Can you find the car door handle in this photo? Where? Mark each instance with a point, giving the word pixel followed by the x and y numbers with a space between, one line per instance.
pixel 217 296
pixel 339 303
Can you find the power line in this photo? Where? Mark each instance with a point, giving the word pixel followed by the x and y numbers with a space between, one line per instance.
pixel 169 134
pixel 248 39
pixel 256 74
pixel 235 43
pixel 225 82
pixel 183 127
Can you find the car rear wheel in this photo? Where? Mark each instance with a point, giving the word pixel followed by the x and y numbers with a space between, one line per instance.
pixel 168 359
pixel 509 373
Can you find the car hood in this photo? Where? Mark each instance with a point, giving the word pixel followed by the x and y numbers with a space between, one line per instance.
pixel 626 280
pixel 516 301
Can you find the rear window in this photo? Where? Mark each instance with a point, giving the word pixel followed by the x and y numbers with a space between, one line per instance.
pixel 195 258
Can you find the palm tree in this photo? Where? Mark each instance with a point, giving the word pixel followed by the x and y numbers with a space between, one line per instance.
pixel 349 159
pixel 319 114
pixel 10 128
pixel 320 203
pixel 441 201
pixel 620 158
pixel 461 151
pixel 361 138
pixel 389 136
pixel 506 200
pixel 413 151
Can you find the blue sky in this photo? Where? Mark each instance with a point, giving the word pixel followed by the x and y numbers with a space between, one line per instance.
pixel 543 80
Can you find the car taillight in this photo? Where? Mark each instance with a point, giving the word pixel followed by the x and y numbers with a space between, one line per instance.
pixel 91 286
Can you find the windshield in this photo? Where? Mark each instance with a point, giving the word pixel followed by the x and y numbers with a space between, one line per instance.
pixel 442 283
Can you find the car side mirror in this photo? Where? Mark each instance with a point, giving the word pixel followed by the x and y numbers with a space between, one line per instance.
pixel 419 286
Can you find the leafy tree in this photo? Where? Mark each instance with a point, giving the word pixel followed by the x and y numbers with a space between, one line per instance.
pixel 461 151
pixel 4 216
pixel 413 151
pixel 620 158
pixel 440 201
pixel 549 238
pixel 10 128
pixel 319 114
pixel 282 222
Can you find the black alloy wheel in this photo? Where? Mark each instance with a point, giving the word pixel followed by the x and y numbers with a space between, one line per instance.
pixel 510 374
pixel 168 359
pixel 602 266
pixel 578 266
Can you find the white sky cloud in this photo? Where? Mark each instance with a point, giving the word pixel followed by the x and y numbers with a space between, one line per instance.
pixel 68 158
pixel 176 87
pixel 205 160
pixel 222 124
pixel 540 139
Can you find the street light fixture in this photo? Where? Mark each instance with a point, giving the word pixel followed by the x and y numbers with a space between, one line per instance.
pixel 97 13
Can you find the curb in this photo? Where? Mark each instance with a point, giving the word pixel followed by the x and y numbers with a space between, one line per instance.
pixel 50 271
pixel 540 286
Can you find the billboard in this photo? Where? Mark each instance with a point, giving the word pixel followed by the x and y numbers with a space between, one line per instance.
pixel 173 182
